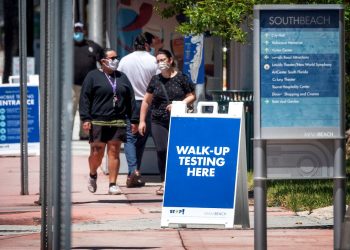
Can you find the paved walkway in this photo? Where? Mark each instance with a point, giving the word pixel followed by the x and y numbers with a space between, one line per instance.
pixel 132 220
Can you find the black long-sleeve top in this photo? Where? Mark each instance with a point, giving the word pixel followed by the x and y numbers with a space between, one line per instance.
pixel 96 98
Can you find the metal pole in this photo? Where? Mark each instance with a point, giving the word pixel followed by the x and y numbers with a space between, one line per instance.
pixel 260 235
pixel 339 202
pixel 95 21
pixel 259 162
pixel 45 170
pixel 339 179
pixel 75 12
pixel 81 11
pixel 23 95
pixel 61 132
pixel 111 10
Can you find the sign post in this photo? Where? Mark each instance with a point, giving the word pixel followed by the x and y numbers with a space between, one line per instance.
pixel 204 160
pixel 299 107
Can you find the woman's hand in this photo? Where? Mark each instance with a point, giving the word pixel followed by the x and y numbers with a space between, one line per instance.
pixel 134 128
pixel 142 128
pixel 86 126
pixel 168 108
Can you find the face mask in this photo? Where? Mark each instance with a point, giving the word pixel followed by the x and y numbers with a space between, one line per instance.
pixel 78 36
pixel 152 51
pixel 163 65
pixel 113 64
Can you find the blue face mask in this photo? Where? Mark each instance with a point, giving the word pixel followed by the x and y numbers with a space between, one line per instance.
pixel 152 51
pixel 78 36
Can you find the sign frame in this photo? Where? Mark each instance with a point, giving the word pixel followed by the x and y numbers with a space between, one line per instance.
pixel 197 207
pixel 296 131
pixel 9 95
pixel 286 139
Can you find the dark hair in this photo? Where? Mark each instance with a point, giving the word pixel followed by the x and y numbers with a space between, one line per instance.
pixel 149 37
pixel 142 39
pixel 103 54
pixel 168 54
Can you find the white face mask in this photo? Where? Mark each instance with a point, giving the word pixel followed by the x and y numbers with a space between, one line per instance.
pixel 113 64
pixel 163 65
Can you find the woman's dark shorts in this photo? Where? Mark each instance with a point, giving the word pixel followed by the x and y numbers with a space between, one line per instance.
pixel 107 133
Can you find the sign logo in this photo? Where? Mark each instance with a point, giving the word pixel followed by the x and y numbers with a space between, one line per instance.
pixel 177 211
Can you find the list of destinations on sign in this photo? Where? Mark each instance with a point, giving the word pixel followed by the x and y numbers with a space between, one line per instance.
pixel 10 130
pixel 300 72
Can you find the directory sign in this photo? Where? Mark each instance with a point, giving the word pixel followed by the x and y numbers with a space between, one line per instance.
pixel 10 119
pixel 300 73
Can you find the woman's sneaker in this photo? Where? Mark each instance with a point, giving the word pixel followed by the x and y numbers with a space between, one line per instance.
pixel 114 189
pixel 92 184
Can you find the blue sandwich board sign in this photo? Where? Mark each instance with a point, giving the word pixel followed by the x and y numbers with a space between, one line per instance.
pixel 202 166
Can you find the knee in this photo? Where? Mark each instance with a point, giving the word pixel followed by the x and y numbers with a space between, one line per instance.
pixel 113 152
pixel 95 156
pixel 113 156
pixel 97 153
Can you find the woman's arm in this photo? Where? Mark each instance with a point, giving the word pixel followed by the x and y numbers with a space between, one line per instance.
pixel 146 102
pixel 85 103
pixel 189 98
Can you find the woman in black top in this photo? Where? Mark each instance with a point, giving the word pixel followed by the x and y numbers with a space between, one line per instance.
pixel 170 85
pixel 106 99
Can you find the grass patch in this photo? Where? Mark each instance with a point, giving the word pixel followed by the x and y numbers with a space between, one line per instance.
pixel 301 195
pixel 250 179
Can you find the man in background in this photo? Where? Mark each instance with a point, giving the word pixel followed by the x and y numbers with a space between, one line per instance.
pixel 139 66
pixel 86 54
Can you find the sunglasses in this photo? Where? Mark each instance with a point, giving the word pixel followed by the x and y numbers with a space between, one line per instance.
pixel 113 57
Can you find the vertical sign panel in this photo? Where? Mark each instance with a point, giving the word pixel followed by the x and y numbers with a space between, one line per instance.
pixel 10 119
pixel 194 58
pixel 300 73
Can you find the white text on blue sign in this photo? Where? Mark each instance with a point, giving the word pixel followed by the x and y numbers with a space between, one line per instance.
pixel 201 160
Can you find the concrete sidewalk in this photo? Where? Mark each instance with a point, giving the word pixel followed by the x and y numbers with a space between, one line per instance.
pixel 132 220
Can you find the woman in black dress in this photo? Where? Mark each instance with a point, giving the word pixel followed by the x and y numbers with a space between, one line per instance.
pixel 170 85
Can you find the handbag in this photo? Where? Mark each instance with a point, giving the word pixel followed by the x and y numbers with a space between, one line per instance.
pixel 189 107
pixel 165 93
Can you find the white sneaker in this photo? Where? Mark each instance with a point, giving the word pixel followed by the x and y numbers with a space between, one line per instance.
pixel 92 184
pixel 115 189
